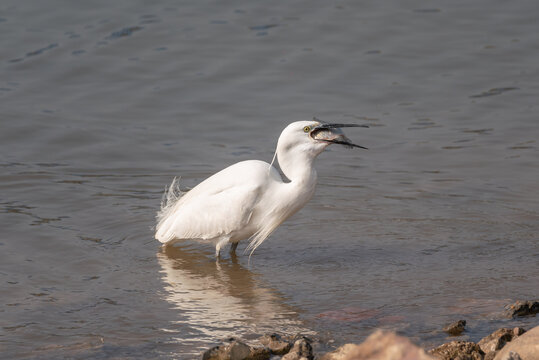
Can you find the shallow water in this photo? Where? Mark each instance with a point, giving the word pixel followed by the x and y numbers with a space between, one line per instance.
pixel 103 105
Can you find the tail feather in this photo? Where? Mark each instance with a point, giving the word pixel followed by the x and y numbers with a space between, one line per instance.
pixel 170 197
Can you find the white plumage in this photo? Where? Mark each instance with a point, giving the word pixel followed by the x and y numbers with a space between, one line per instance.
pixel 249 199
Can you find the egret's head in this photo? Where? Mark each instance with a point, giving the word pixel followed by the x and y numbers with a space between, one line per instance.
pixel 314 136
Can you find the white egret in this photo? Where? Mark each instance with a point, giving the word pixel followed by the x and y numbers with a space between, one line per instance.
pixel 250 199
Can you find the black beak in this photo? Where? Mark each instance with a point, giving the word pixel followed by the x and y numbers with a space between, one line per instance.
pixel 334 128
pixel 338 126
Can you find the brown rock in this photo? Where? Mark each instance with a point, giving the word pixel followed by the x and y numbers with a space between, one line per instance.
pixel 213 353
pixel 259 353
pixel 380 345
pixel 302 350
pixel 455 328
pixel 522 308
pixel 276 344
pixel 236 350
pixel 497 340
pixel 458 350
pixel 293 338
pixel 512 356
pixel 526 346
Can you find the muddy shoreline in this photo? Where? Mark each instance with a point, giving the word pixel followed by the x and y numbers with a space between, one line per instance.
pixel 503 343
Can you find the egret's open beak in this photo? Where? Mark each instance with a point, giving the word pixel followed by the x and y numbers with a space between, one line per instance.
pixel 332 133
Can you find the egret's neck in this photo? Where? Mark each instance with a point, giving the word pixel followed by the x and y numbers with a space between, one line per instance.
pixel 297 167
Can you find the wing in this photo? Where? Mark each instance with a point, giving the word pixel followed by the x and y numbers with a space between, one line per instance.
pixel 212 209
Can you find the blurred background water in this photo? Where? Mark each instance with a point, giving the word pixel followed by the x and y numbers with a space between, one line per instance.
pixel 103 103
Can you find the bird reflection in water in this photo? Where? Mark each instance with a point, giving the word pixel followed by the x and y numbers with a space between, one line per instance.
pixel 221 299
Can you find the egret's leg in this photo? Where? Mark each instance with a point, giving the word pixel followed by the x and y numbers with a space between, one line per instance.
pixel 233 247
pixel 219 245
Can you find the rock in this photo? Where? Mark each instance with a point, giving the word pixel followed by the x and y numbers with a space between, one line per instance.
pixel 492 343
pixel 213 353
pixel 522 308
pixel 259 354
pixel 236 350
pixel 455 328
pixel 276 344
pixel 293 338
pixel 380 345
pixel 302 350
pixel 512 356
pixel 461 350
pixel 526 346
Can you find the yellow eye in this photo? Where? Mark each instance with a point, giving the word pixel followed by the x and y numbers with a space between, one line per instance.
pixel 306 129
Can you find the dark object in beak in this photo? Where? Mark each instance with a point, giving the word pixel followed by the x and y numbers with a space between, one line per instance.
pixel 331 133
